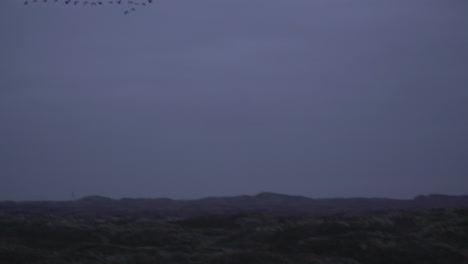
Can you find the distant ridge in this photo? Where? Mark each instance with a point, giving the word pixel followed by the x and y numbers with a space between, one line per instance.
pixel 262 202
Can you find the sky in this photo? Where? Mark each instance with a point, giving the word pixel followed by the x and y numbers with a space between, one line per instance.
pixel 187 99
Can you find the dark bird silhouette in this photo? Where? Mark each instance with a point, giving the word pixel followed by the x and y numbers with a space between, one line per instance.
pixel 130 9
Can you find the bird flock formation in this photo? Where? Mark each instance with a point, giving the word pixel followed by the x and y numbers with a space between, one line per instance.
pixel 131 5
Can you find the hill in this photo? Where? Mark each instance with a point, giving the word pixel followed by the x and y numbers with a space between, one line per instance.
pixel 262 202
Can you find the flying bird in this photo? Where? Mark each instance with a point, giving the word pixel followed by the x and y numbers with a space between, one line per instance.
pixel 132 8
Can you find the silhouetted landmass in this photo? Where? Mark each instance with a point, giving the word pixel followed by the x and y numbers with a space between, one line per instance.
pixel 263 202
pixel 263 229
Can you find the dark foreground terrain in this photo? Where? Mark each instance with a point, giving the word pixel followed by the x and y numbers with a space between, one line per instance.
pixel 49 234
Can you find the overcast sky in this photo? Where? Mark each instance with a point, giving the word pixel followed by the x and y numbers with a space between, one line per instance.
pixel 194 98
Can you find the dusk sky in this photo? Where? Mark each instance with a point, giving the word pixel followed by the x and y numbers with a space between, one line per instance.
pixel 194 98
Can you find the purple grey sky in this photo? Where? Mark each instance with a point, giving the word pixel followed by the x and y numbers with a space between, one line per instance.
pixel 186 99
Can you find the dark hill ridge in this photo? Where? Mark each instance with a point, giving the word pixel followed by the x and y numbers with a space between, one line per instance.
pixel 262 202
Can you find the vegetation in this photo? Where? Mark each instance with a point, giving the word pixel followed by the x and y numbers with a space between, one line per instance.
pixel 427 236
